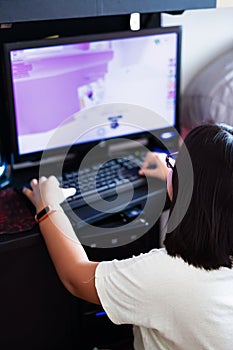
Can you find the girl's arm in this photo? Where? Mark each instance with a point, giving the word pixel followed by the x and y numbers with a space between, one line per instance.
pixel 69 257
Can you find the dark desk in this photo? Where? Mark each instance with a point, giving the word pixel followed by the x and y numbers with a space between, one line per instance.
pixel 37 312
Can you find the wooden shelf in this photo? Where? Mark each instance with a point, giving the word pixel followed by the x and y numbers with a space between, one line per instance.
pixel 40 10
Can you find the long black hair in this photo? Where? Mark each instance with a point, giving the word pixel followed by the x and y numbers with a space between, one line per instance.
pixel 203 237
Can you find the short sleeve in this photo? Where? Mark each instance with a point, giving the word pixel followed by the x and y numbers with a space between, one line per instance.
pixel 123 285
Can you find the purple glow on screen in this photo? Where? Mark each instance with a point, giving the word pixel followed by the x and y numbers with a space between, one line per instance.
pixel 46 86
pixel 51 84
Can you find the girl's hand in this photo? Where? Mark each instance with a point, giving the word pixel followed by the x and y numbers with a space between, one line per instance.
pixel 155 165
pixel 47 191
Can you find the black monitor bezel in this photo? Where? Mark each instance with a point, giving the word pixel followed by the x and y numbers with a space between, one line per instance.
pixel 83 148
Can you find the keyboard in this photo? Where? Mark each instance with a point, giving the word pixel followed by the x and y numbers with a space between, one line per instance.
pixel 105 180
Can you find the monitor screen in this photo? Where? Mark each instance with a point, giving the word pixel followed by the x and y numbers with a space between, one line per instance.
pixel 86 84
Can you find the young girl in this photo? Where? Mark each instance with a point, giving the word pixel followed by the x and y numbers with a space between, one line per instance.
pixel 179 297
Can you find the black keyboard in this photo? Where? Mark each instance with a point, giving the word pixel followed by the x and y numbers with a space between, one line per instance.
pixel 104 179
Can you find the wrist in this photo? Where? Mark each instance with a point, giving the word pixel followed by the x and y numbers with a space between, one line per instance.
pixel 46 211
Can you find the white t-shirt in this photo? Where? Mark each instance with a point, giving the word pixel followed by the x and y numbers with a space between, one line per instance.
pixel 171 304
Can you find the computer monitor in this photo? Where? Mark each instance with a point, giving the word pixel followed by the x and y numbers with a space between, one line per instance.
pixel 63 81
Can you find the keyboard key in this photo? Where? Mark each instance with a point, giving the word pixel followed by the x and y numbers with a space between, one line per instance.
pixel 104 178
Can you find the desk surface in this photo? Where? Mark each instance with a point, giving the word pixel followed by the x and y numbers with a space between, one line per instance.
pixel 100 231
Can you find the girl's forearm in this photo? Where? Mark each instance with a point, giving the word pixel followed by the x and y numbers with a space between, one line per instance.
pixel 75 270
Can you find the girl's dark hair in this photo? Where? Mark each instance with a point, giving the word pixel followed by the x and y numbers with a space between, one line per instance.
pixel 204 236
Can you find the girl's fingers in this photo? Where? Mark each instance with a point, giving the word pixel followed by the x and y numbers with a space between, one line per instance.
pixel 42 179
pixel 33 183
pixel 67 192
pixel 27 192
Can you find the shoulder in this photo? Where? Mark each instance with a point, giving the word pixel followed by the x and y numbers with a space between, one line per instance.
pixel 153 260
